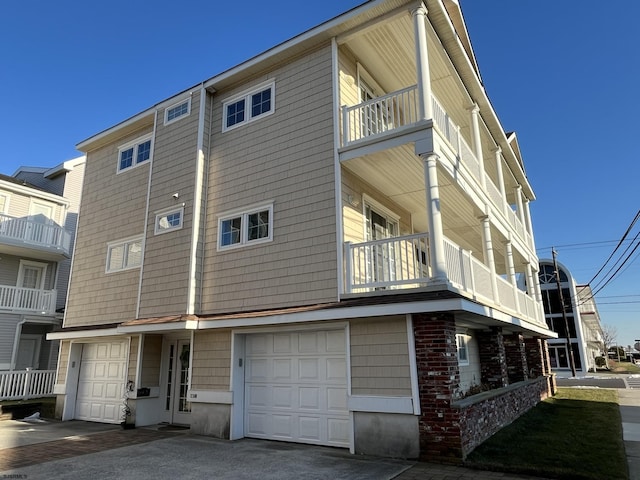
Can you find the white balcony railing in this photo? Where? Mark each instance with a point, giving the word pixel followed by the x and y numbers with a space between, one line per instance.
pixel 34 233
pixel 25 384
pixel 403 262
pixel 399 109
pixel 27 299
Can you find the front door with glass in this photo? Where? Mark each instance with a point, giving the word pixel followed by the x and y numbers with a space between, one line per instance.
pixel 177 382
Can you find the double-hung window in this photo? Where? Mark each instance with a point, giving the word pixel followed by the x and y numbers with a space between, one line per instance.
pixel 254 225
pixel 134 153
pixel 124 254
pixel 463 352
pixel 177 111
pixel 249 106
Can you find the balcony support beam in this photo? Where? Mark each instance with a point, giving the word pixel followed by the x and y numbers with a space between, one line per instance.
pixel 434 217
pixel 519 205
pixel 422 63
pixel 503 192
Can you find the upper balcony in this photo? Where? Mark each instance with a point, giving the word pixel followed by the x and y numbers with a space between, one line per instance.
pixel 29 238
pixel 27 300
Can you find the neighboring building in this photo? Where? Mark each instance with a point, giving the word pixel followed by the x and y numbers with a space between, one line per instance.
pixel 582 320
pixel 38 210
pixel 320 245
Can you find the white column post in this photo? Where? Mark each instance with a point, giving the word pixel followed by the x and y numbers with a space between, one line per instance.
pixel 518 193
pixel 434 217
pixel 503 192
pixel 477 142
pixel 422 63
pixel 488 255
pixel 529 223
pixel 511 268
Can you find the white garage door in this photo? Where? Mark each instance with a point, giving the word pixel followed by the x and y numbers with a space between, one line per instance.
pixel 296 387
pixel 101 382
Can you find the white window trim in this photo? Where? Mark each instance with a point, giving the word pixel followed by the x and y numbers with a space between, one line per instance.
pixel 30 263
pixel 244 213
pixel 6 202
pixel 117 243
pixel 462 362
pixel 177 104
pixel 246 95
pixel 162 213
pixel 135 143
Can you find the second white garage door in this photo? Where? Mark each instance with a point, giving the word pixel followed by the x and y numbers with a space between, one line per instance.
pixel 101 382
pixel 296 387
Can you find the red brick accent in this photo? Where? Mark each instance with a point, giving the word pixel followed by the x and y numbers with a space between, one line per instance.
pixel 438 380
pixel 493 363
pixel 516 357
pixel 535 357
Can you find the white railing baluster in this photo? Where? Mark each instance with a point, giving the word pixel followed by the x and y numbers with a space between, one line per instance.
pixel 25 384
pixel 34 233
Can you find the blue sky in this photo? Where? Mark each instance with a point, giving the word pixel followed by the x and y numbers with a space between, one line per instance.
pixel 563 74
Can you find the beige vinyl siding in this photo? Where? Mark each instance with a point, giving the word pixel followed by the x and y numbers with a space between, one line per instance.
pixel 113 208
pixel 63 362
pixel 380 357
pixel 167 256
pixel 132 367
pixel 211 369
pixel 8 324
pixel 20 204
pixel 151 361
pixel 287 158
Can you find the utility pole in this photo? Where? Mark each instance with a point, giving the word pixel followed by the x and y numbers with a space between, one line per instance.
pixel 572 361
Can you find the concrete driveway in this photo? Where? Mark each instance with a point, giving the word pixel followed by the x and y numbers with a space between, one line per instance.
pixel 97 453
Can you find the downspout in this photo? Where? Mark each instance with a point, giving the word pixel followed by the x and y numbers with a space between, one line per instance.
pixel 337 169
pixel 197 208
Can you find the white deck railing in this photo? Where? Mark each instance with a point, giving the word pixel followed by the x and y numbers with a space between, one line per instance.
pixel 399 109
pixel 25 384
pixel 403 262
pixel 28 299
pixel 34 233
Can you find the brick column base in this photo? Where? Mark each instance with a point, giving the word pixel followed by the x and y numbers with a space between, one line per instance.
pixel 493 363
pixel 516 358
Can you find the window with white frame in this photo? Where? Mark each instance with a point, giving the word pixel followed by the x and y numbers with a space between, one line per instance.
pixel 169 220
pixel 249 106
pixel 254 225
pixel 177 111
pixel 4 203
pixel 134 153
pixel 124 254
pixel 463 352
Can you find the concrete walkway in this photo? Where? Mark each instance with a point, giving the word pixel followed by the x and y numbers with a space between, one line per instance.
pixel 629 401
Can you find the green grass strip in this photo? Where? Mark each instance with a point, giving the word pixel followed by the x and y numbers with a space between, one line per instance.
pixel 577 434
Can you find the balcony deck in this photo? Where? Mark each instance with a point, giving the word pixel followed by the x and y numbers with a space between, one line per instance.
pixel 28 238
pixel 27 300
pixel 400 263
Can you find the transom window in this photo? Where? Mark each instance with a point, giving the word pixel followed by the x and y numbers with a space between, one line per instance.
pixel 249 106
pixel 244 228
pixel 177 111
pixel 134 153
pixel 463 353
pixel 124 254
pixel 169 220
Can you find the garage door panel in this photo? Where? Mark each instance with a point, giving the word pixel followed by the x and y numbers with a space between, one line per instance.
pixel 101 382
pixel 302 396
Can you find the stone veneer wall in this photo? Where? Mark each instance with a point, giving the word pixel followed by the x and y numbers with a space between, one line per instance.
pixel 484 414
pixel 516 358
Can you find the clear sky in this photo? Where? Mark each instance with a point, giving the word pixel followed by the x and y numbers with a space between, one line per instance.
pixel 563 74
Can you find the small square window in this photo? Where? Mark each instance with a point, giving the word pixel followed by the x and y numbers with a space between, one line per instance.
pixel 168 221
pixel 252 226
pixel 144 152
pixel 261 103
pixel 126 158
pixel 175 112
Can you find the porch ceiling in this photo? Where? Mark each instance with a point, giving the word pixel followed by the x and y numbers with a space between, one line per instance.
pixel 399 174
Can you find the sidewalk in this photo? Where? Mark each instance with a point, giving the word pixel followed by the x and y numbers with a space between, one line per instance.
pixel 629 401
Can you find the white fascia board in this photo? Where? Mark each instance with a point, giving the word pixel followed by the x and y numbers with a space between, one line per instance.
pixel 106 332
pixel 155 327
pixel 65 166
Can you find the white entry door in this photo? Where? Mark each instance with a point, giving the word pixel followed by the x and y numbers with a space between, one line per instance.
pixel 177 404
pixel 101 382
pixel 296 387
